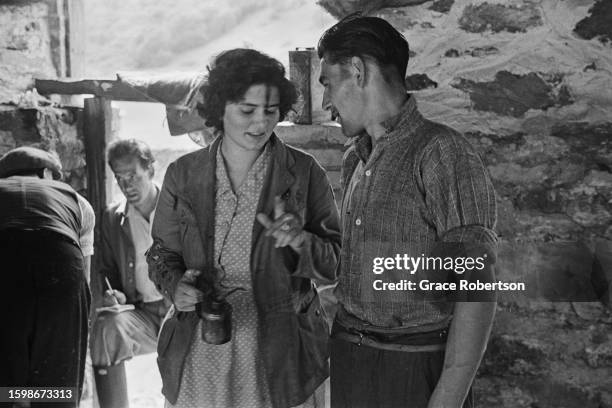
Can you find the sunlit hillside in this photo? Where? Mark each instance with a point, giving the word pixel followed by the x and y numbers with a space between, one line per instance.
pixel 184 34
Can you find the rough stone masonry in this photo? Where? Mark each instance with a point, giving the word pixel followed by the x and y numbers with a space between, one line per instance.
pixel 529 82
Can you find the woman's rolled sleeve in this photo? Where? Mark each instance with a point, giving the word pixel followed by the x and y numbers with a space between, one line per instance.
pixel 166 265
pixel 321 248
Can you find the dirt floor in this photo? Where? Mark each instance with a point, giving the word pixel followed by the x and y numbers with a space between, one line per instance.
pixel 144 384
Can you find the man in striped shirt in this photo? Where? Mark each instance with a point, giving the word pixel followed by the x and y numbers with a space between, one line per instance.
pixel 413 189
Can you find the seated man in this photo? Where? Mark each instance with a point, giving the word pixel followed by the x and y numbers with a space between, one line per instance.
pixel 125 237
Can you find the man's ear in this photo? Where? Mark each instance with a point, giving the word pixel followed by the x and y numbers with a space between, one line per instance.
pixel 47 174
pixel 359 69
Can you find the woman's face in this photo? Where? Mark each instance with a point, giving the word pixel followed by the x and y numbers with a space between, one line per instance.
pixel 248 123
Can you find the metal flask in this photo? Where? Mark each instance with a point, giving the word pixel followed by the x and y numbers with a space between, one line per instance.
pixel 216 317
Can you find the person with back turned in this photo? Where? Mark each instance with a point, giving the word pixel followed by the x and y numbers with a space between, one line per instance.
pixel 46 239
pixel 411 187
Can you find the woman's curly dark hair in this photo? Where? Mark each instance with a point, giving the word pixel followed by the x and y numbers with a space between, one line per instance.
pixel 232 73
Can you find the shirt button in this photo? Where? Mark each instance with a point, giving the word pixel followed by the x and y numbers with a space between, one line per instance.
pixel 131 264
pixel 368 173
pixel 358 221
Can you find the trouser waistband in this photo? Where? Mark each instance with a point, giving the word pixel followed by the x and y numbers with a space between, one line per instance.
pixel 414 342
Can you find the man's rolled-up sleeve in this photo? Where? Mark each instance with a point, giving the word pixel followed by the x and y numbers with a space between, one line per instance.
pixel 461 200
pixel 88 222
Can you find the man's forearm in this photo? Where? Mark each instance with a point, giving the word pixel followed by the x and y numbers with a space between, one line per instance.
pixel 87 269
pixel 467 340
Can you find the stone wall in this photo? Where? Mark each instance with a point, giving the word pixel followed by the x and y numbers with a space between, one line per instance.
pixel 38 39
pixel 48 128
pixel 35 42
pixel 529 82
pixel 25 47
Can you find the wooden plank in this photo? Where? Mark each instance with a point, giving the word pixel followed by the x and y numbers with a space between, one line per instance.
pixel 108 89
pixel 97 133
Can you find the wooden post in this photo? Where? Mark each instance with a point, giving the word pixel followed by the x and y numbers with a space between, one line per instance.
pixel 97 132
pixel 74 12
pixel 57 34
pixel 318 115
pixel 299 73
pixel 304 71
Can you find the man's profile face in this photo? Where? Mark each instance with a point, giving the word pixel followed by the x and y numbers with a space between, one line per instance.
pixel 134 181
pixel 341 98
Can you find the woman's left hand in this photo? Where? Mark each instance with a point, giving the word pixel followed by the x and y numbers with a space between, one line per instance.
pixel 286 227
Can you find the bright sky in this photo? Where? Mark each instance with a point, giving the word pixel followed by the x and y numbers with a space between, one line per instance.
pixel 147 121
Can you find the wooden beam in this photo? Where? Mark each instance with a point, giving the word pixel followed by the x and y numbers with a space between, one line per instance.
pixel 108 89
pixel 97 133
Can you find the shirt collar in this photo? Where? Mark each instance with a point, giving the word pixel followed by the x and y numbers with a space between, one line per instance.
pixel 224 186
pixel 131 211
pixel 406 121
pixel 125 208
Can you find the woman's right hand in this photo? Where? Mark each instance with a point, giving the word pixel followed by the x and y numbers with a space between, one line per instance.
pixel 186 295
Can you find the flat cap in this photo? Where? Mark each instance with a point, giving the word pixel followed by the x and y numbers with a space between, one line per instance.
pixel 29 158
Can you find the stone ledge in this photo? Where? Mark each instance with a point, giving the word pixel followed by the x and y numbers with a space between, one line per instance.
pixel 315 136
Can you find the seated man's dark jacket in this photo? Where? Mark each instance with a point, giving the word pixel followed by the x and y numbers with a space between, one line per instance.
pixel 117 255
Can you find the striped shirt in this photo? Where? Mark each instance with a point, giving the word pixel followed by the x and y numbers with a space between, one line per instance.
pixel 421 185
pixel 29 202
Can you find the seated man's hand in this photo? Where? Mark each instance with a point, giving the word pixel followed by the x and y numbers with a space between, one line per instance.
pixel 186 295
pixel 114 297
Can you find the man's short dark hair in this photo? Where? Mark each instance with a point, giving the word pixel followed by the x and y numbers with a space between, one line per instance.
pixel 359 36
pixel 132 148
pixel 230 76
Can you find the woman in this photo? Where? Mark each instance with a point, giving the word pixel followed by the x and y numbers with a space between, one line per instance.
pixel 261 216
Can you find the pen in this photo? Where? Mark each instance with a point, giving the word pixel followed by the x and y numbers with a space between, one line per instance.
pixel 111 289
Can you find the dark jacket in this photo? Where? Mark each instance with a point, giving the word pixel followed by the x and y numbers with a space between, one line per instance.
pixel 293 330
pixel 117 254
pixel 116 259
